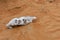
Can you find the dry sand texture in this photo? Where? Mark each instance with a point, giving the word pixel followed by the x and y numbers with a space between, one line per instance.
pixel 46 27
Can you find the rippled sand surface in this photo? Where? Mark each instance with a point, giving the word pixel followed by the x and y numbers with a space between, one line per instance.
pixel 46 27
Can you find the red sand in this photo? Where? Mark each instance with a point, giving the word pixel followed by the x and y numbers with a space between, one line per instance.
pixel 46 27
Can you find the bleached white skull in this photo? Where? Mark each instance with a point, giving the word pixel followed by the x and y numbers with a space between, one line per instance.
pixel 20 21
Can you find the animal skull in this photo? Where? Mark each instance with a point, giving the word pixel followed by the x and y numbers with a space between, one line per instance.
pixel 20 21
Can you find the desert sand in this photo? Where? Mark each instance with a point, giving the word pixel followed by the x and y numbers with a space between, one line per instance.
pixel 45 27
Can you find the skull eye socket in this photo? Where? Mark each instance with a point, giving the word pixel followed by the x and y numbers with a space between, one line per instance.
pixel 15 21
pixel 24 20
